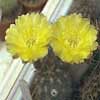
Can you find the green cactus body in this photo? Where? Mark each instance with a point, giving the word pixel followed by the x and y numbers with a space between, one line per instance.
pixel 51 80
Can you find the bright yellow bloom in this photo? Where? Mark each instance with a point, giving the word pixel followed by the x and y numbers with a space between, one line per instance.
pixel 28 38
pixel 74 38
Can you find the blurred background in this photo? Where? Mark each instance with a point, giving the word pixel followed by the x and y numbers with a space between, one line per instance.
pixel 13 70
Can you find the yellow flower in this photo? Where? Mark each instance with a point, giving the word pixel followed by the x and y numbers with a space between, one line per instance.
pixel 28 38
pixel 74 38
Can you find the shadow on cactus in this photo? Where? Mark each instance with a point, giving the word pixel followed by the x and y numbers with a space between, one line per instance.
pixel 55 49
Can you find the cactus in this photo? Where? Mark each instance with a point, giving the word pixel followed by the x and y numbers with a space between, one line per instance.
pixel 88 8
pixel 7 6
pixel 51 80
pixel 91 82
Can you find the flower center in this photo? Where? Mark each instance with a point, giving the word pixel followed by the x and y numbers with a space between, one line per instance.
pixel 30 42
pixel 73 41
